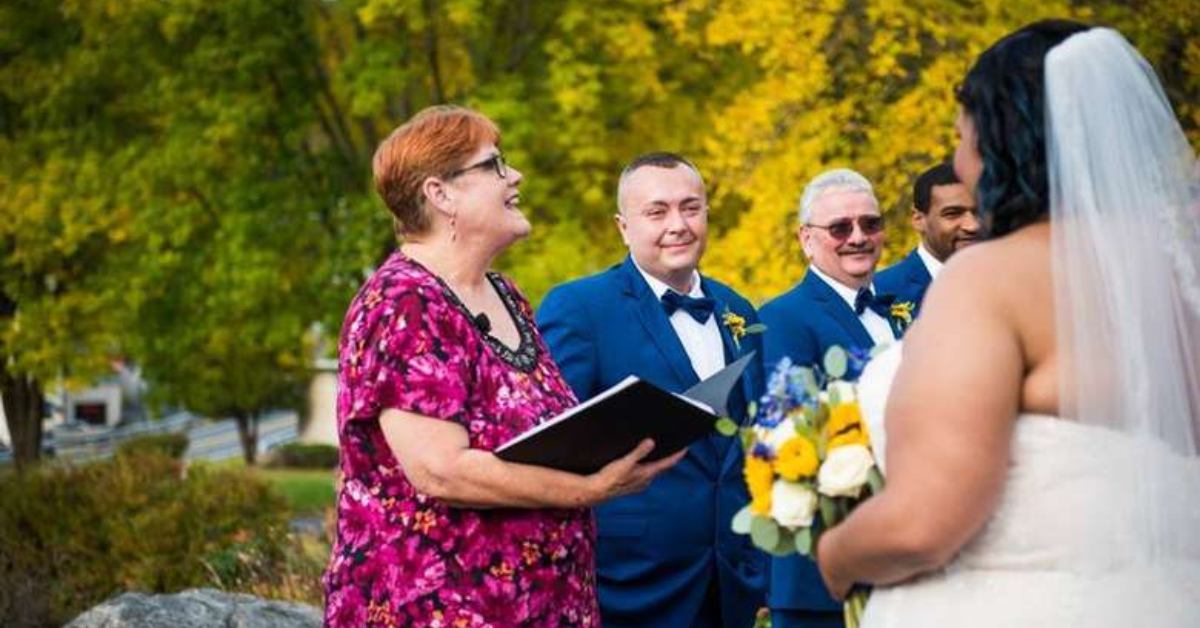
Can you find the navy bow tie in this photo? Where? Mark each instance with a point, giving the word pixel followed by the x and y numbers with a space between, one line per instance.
pixel 881 304
pixel 698 308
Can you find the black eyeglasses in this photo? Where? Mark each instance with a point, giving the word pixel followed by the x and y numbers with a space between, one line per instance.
pixel 495 162
pixel 844 228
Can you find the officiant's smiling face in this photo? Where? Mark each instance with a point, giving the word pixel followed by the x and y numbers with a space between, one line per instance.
pixel 851 260
pixel 663 220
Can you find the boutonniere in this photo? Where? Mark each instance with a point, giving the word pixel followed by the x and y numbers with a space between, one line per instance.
pixel 738 328
pixel 902 311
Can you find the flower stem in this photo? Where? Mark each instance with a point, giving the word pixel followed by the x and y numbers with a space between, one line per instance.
pixel 852 609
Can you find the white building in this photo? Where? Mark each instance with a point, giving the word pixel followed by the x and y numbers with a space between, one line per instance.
pixel 321 423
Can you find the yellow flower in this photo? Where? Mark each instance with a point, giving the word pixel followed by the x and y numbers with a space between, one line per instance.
pixel 854 436
pixel 796 459
pixel 759 479
pixel 846 427
pixel 903 311
pixel 735 323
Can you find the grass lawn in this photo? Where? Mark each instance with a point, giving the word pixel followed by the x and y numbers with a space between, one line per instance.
pixel 308 491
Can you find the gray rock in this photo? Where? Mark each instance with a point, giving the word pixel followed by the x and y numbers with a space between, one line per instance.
pixel 196 608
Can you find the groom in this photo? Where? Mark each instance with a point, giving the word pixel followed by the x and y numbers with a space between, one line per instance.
pixel 841 231
pixel 665 557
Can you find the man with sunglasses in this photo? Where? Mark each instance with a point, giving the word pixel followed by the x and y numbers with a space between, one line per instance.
pixel 841 232
pixel 666 556
pixel 944 214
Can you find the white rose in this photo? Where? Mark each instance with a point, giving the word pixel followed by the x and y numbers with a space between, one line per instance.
pixel 845 471
pixel 792 504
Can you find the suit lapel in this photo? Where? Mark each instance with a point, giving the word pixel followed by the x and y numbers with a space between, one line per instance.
pixel 656 325
pixel 733 350
pixel 918 280
pixel 726 446
pixel 918 275
pixel 833 305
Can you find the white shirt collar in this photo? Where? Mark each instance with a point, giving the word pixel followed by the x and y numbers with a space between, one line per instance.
pixel 848 294
pixel 931 263
pixel 660 288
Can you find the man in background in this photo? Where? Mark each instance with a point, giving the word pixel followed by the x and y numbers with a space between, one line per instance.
pixel 944 214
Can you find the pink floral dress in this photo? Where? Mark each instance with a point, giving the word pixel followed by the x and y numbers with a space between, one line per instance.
pixel 402 558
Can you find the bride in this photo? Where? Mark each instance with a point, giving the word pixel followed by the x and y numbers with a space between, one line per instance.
pixel 1044 420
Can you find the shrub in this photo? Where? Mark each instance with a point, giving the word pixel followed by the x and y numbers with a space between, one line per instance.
pixel 305 456
pixel 71 537
pixel 172 445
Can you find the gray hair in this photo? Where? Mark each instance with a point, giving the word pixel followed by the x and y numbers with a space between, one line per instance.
pixel 840 179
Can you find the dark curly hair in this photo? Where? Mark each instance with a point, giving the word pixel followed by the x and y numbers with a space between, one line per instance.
pixel 1004 94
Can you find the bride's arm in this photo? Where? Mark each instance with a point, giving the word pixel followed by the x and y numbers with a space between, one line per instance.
pixel 949 421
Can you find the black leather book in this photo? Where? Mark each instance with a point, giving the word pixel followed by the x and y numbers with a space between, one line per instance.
pixel 609 425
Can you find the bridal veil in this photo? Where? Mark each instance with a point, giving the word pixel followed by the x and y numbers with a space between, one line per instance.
pixel 1125 216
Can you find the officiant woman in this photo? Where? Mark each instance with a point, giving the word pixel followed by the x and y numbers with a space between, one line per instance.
pixel 439 364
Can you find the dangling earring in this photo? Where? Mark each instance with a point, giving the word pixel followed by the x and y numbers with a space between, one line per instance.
pixel 453 227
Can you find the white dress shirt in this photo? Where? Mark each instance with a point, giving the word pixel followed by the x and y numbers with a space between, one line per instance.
pixel 877 326
pixel 701 342
pixel 931 263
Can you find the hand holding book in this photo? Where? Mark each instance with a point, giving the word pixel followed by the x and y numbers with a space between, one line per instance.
pixel 629 473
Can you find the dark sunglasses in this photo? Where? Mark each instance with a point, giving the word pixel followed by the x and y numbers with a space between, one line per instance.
pixel 495 162
pixel 844 228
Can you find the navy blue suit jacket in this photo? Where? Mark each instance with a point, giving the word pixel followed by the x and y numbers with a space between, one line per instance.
pixel 802 324
pixel 907 279
pixel 665 556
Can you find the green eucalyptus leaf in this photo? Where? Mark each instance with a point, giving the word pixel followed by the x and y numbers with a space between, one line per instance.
pixel 747 436
pixel 828 510
pixel 742 520
pixel 726 426
pixel 764 532
pixel 786 544
pixel 804 541
pixel 756 328
pixel 835 362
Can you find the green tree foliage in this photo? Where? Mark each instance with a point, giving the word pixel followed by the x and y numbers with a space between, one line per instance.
pixel 187 184
pixel 62 219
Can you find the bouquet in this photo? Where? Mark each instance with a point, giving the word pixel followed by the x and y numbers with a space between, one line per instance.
pixel 808 460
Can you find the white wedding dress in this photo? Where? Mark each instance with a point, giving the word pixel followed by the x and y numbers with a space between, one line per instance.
pixel 1062 548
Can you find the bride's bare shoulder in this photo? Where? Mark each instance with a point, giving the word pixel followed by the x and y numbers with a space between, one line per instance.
pixel 1016 261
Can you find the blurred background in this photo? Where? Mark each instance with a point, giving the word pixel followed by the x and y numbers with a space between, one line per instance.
pixel 185 190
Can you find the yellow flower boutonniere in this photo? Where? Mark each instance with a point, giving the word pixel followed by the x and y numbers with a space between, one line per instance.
pixel 902 311
pixel 738 328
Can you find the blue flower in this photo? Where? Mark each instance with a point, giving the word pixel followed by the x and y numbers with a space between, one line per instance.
pixel 761 450
pixel 786 391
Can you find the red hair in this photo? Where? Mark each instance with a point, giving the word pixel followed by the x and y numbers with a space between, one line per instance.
pixel 432 143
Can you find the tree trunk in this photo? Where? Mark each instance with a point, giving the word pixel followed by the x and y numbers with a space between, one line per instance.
pixel 247 425
pixel 23 412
